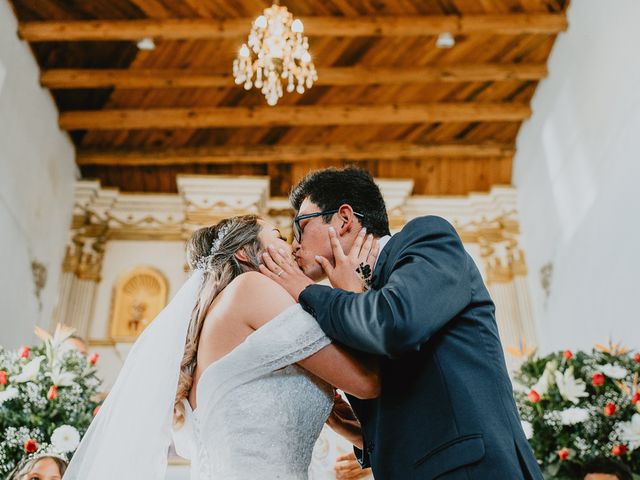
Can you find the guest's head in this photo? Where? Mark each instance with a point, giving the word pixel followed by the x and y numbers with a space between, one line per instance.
pixel 77 343
pixel 41 467
pixel 353 201
pixel 222 251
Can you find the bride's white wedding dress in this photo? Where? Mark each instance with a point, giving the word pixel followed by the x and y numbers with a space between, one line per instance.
pixel 258 414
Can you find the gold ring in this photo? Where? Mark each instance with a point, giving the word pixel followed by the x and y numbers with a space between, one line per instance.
pixel 280 273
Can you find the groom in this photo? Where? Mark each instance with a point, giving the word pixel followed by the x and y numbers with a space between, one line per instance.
pixel 446 409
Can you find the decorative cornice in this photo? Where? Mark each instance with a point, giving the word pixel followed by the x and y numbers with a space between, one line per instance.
pixel 101 214
pixel 209 198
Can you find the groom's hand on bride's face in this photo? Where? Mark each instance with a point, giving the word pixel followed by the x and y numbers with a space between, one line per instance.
pixel 284 271
pixel 344 274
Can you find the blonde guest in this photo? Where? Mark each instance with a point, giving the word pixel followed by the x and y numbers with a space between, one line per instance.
pixel 39 467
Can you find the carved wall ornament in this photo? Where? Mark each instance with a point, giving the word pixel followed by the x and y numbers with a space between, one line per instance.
pixel 39 272
pixel 138 297
pixel 546 275
pixel 499 248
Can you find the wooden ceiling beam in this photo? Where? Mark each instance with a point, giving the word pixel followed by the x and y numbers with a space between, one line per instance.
pixel 180 29
pixel 272 154
pixel 230 117
pixel 198 78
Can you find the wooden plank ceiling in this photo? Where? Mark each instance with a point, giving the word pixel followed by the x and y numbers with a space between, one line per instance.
pixel 387 97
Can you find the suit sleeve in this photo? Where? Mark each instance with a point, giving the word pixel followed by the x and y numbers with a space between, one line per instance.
pixel 428 286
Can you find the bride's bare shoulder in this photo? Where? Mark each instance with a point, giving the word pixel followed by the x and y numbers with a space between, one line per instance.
pixel 257 298
pixel 256 283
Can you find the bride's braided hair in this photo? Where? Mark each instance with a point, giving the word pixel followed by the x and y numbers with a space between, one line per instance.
pixel 212 250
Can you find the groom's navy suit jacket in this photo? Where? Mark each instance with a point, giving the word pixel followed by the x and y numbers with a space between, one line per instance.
pixel 446 409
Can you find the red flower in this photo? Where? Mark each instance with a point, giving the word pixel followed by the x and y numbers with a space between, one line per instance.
pixel 53 392
pixel 93 359
pixel 609 409
pixel 3 377
pixel 619 450
pixel 534 396
pixel 635 399
pixel 563 454
pixel 96 410
pixel 636 357
pixel 567 354
pixel 30 446
pixel 24 352
pixel 597 380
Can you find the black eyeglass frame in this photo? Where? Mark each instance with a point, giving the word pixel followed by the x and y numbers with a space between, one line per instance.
pixel 297 230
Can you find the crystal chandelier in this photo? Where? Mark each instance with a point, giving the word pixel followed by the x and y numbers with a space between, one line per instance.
pixel 276 53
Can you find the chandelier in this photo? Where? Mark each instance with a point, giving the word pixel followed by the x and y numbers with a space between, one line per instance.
pixel 276 53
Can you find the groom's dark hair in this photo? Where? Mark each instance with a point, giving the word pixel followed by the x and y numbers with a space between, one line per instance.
pixel 331 187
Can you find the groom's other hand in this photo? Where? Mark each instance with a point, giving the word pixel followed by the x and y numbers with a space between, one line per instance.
pixel 361 257
pixel 348 468
pixel 284 271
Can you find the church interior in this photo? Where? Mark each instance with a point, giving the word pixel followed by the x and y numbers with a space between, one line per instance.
pixel 125 125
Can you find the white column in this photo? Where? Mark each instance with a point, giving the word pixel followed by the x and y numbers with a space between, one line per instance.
pixel 525 308
pixel 78 285
pixel 508 317
pixel 65 288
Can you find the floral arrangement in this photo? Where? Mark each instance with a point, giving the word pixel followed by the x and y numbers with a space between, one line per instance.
pixel 581 407
pixel 48 397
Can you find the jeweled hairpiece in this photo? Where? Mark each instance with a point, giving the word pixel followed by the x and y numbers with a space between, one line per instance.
pixel 205 263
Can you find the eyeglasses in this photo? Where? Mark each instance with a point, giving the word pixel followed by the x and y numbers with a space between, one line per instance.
pixel 297 230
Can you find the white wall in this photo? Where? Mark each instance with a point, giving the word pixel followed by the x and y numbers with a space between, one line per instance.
pixel 122 256
pixel 37 173
pixel 577 170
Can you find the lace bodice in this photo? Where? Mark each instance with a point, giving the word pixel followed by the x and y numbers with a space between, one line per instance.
pixel 258 413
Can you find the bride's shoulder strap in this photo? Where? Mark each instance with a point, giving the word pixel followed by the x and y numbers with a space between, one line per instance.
pixel 289 337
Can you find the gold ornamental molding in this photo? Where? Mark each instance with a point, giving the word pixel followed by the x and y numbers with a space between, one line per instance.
pixel 84 252
pixel 201 200
pixel 499 248
pixel 488 220
pixel 207 199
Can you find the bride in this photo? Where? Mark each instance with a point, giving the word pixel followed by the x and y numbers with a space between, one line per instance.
pixel 233 368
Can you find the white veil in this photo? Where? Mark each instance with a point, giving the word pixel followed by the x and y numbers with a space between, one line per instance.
pixel 130 436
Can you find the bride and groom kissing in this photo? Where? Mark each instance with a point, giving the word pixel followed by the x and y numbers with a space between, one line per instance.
pixel 241 367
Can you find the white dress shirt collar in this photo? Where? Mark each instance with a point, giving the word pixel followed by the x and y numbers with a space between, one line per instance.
pixel 382 242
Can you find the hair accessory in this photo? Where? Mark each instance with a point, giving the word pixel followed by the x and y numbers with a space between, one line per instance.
pixel 205 262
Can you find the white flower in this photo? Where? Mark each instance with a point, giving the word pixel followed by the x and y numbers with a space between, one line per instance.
pixel 570 388
pixel 29 371
pixel 65 439
pixel 614 371
pixel 546 380
pixel 60 377
pixel 631 432
pixel 8 394
pixel 518 387
pixel 62 333
pixel 573 415
pixel 528 429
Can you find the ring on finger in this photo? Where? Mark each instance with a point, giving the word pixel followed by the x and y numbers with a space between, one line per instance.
pixel 280 272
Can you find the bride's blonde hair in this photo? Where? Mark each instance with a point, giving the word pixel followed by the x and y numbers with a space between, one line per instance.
pixel 212 249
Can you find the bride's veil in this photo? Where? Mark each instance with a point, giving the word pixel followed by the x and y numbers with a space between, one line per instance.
pixel 130 435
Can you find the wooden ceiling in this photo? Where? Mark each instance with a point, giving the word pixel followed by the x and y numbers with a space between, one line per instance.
pixel 387 97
